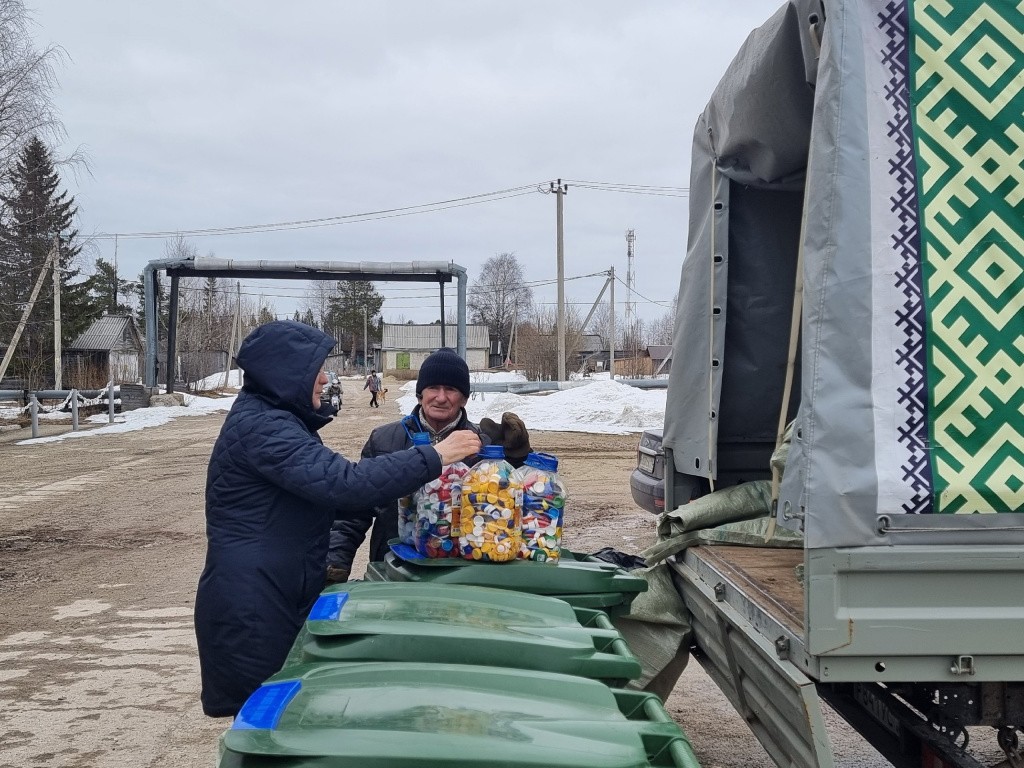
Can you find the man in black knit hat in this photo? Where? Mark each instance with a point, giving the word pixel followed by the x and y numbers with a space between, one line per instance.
pixel 442 388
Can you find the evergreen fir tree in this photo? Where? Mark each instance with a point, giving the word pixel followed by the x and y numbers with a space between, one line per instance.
pixel 107 292
pixel 354 300
pixel 36 212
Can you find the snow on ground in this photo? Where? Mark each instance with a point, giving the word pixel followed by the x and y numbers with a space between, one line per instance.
pixel 216 381
pixel 600 407
pixel 130 421
pixel 496 376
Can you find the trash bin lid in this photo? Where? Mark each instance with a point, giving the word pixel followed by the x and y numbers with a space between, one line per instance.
pixel 423 621
pixel 561 578
pixel 439 715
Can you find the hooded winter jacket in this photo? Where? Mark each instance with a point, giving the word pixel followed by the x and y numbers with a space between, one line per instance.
pixel 272 492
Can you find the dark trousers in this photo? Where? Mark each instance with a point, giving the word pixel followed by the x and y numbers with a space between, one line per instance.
pixel 348 534
pixel 373 400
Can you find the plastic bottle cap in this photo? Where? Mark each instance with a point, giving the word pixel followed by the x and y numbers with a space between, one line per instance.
pixel 421 438
pixel 545 461
pixel 492 452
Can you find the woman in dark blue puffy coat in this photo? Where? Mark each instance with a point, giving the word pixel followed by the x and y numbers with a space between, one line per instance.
pixel 272 491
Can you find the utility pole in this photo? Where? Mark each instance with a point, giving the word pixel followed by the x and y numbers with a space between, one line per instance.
pixel 632 333
pixel 26 312
pixel 365 355
pixel 58 372
pixel 560 190
pixel 113 309
pixel 238 317
pixel 231 342
pixel 611 332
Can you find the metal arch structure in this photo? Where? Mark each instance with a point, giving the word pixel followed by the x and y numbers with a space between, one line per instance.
pixel 409 271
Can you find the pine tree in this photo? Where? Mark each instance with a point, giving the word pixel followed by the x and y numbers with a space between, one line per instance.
pixel 36 212
pixel 107 292
pixel 355 299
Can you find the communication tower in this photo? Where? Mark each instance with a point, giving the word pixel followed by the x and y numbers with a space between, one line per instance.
pixel 630 283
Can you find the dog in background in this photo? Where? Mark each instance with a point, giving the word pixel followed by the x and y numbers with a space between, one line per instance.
pixel 382 396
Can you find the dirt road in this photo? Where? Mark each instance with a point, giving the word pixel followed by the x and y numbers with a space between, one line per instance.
pixel 101 545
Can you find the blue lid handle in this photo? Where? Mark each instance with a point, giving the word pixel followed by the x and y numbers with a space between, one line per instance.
pixel 265 706
pixel 328 606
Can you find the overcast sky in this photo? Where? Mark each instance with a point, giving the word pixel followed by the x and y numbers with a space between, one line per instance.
pixel 198 115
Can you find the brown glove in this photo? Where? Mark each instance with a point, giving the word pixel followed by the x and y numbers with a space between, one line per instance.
pixel 511 434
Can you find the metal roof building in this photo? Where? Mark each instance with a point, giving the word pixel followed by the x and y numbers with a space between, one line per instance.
pixel 107 333
pixel 110 348
pixel 405 346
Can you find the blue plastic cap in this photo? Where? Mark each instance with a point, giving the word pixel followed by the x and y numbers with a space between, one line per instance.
pixel 545 461
pixel 421 438
pixel 492 452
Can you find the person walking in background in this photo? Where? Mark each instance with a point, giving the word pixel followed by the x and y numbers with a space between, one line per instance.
pixel 373 384
pixel 272 492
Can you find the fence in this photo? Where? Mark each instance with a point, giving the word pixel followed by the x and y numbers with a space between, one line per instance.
pixel 75 398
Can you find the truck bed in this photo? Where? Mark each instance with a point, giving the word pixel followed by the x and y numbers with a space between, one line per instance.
pixel 767 576
pixel 902 630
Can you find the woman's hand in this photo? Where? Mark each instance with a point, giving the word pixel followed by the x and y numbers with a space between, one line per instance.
pixel 458 445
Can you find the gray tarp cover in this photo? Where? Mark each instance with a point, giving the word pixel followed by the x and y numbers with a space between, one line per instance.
pixel 840 131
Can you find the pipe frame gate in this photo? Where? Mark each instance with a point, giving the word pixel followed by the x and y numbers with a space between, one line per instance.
pixel 415 271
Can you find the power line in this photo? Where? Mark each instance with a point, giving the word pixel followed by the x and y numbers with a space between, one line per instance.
pixel 665 304
pixel 387 213
pixel 632 189
pixel 329 221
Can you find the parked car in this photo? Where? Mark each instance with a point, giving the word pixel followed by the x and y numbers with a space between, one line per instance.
pixel 647 482
pixel 332 391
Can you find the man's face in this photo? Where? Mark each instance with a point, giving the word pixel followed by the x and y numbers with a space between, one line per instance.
pixel 321 379
pixel 441 404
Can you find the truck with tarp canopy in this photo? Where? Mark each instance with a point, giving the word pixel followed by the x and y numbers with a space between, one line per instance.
pixel 855 271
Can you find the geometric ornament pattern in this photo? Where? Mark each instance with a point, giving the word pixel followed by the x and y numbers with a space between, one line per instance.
pixel 966 92
pixel 912 429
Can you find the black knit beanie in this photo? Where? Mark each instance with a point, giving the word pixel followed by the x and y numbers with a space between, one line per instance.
pixel 443 368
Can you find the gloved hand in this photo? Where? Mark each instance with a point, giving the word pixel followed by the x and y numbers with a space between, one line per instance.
pixel 511 434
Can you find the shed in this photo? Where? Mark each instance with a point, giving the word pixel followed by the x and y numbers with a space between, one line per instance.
pixel 633 364
pixel 405 346
pixel 661 357
pixel 592 354
pixel 110 348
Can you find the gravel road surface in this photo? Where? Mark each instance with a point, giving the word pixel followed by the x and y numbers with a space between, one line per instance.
pixel 101 545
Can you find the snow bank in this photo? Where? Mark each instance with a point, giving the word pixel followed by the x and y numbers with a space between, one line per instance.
pixel 601 407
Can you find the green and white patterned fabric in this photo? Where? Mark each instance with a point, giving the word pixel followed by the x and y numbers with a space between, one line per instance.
pixel 967 91
pixel 914 243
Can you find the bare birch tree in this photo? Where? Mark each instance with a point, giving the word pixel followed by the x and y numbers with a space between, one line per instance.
pixel 538 343
pixel 27 79
pixel 500 295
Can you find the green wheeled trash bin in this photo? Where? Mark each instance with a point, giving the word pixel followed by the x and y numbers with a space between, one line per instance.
pixel 459 624
pixel 394 714
pixel 582 583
